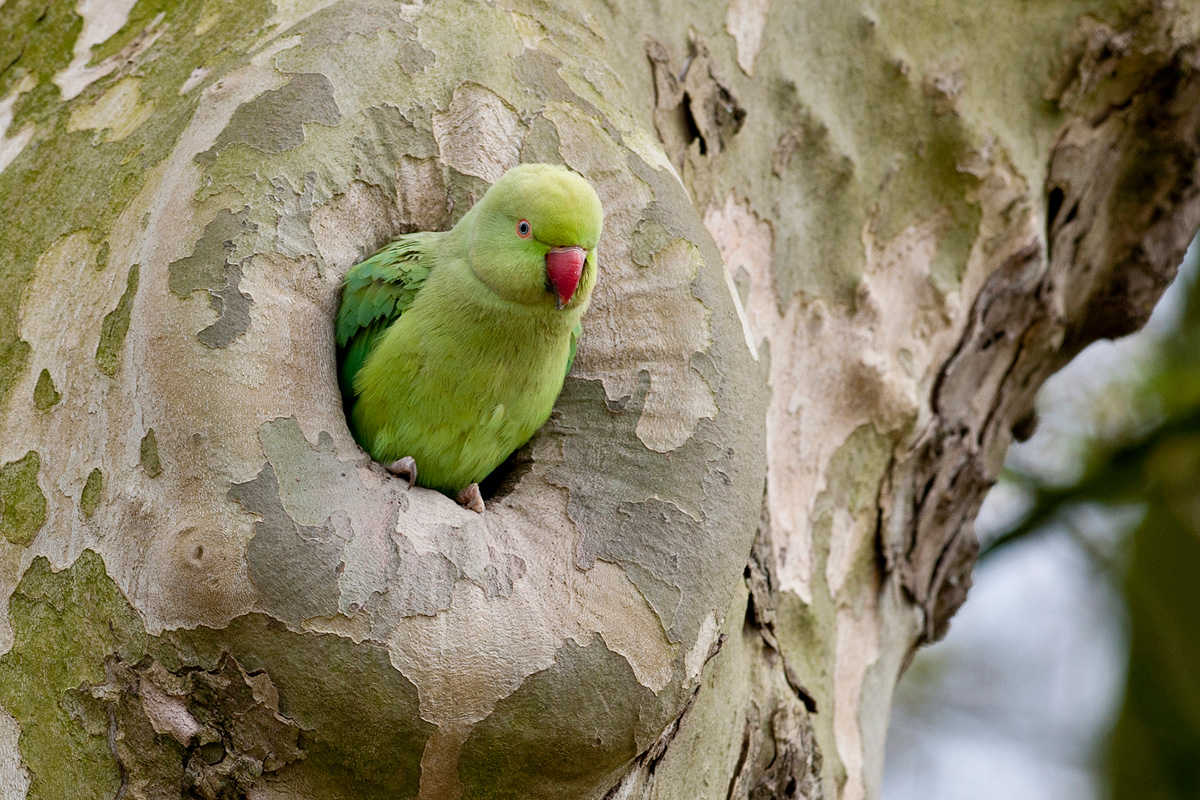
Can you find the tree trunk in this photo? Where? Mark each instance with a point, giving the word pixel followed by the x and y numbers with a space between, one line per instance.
pixel 843 246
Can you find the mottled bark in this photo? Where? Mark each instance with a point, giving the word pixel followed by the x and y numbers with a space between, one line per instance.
pixel 843 246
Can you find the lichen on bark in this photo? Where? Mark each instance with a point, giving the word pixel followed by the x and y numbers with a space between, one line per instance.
pixel 90 498
pixel 45 396
pixel 116 326
pixel 148 454
pixel 22 503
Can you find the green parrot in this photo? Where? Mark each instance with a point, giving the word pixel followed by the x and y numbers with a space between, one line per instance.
pixel 454 345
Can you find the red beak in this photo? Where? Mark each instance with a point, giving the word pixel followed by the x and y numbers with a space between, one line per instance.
pixel 564 265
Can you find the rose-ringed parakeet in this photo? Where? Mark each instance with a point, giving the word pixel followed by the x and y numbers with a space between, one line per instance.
pixel 454 345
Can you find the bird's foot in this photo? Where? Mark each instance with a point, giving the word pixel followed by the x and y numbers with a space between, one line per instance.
pixel 471 498
pixel 404 467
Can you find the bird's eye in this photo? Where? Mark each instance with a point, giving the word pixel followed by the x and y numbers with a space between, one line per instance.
pixel 523 229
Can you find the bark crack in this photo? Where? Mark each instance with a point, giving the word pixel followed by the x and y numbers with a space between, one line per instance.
pixel 640 778
pixel 111 736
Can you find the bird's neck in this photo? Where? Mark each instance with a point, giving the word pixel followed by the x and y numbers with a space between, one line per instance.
pixel 475 302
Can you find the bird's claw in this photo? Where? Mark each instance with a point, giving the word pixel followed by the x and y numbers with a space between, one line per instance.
pixel 404 467
pixel 471 498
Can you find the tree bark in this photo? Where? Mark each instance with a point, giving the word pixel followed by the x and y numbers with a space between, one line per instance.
pixel 843 246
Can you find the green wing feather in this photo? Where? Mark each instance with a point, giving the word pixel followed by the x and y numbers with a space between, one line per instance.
pixel 375 293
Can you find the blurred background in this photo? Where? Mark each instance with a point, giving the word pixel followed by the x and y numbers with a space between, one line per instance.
pixel 1073 670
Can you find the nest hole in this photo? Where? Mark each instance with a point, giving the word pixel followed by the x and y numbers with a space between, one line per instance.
pixel 505 478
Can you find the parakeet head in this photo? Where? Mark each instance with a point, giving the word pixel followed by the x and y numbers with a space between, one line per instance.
pixel 535 237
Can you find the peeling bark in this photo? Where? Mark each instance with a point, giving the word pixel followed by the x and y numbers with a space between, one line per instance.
pixel 843 247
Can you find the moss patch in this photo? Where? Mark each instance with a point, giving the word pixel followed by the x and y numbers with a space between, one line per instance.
pixel 149 454
pixel 115 326
pixel 44 394
pixel 36 37
pixel 81 182
pixel 22 504
pixel 76 677
pixel 102 256
pixel 92 490
pixel 65 626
